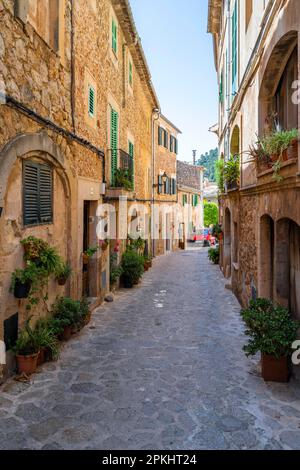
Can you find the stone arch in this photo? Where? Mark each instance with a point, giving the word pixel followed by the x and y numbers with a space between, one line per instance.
pixel 271 75
pixel 266 257
pixel 235 141
pixel 24 145
pixel 227 243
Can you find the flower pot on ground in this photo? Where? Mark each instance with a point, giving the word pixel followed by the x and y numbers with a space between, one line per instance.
pixel 68 317
pixel 27 350
pixel 214 255
pixel 271 331
pixel 47 341
pixel 132 267
pixel 127 283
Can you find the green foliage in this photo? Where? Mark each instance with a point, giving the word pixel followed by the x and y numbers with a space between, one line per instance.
pixel 91 251
pixel 46 338
pixel 63 271
pixel 219 165
pixel 137 245
pixel 33 247
pixel 132 265
pixel 123 179
pixel 214 255
pixel 217 230
pixel 277 142
pixel 67 312
pixel 116 270
pixel 232 170
pixel 211 214
pixel 208 160
pixel 270 328
pixel 28 341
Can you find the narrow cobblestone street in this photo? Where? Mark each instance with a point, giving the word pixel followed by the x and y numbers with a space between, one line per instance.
pixel 160 368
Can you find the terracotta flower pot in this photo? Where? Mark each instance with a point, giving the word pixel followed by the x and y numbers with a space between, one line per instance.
pixel 27 364
pixel 292 151
pixel 41 357
pixel 62 281
pixel 85 258
pixel 275 370
pixel 67 333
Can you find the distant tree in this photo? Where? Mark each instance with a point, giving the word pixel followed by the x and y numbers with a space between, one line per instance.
pixel 208 160
pixel 211 214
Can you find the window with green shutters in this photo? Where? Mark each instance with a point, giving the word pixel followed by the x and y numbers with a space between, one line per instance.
pixel 114 35
pixel 234 45
pixel 37 193
pixel 175 145
pixel 195 200
pixel 114 142
pixel 184 199
pixel 91 101
pixel 159 184
pixel 130 73
pixel 166 139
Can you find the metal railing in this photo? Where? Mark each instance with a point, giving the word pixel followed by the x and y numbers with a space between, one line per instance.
pixel 122 169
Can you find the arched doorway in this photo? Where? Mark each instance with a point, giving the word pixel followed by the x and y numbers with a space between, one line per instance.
pixel 227 244
pixel 287 257
pixel 266 282
pixel 235 141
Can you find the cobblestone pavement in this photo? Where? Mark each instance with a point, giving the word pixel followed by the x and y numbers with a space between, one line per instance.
pixel 162 368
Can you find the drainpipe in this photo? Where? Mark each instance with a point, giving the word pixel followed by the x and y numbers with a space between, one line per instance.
pixel 155 116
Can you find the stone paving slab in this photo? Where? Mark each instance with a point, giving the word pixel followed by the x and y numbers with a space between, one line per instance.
pixel 161 367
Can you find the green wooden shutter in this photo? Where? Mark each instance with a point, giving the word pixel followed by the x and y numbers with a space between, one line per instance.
pixel 171 143
pixel 173 186
pixel 130 73
pixel 166 139
pixel 30 193
pixel 131 153
pixel 159 187
pixel 114 143
pixel 45 193
pixel 234 43
pixel 91 101
pixel 114 35
pixel 160 131
pixel 176 145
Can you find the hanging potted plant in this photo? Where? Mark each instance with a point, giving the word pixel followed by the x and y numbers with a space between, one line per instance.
pixel 33 248
pixel 21 283
pixel 271 331
pixel 86 255
pixel 27 350
pixel 104 244
pixel 63 272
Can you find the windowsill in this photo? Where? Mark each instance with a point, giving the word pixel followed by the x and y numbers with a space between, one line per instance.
pixel 269 171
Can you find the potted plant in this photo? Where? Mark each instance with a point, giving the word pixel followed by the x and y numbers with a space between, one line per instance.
pixel 217 232
pixel 33 248
pixel 63 272
pixel 231 172
pixel 115 269
pixel 123 179
pixel 67 317
pixel 21 283
pixel 104 244
pixel 214 255
pixel 27 350
pixel 86 255
pixel 47 341
pixel 147 263
pixel 132 267
pixel 271 332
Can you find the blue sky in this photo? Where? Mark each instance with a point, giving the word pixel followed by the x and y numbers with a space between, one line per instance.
pixel 180 56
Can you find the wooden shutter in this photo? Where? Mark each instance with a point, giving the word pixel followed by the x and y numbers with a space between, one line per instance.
pixel 30 193
pixel 173 186
pixel 114 143
pixel 45 193
pixel 91 101
pixel 176 145
pixel 171 143
pixel 114 34
pixel 37 193
pixel 166 139
pixel 234 49
pixel 159 187
pixel 131 153
pixel 160 131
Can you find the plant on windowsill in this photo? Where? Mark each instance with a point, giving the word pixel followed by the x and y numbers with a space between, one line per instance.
pixel 231 172
pixel 123 179
pixel 220 174
pixel 272 332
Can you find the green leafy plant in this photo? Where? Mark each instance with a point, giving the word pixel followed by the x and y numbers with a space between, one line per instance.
pixel 217 231
pixel 67 312
pixel 116 270
pixel 91 251
pixel 270 328
pixel 46 338
pixel 123 179
pixel 33 247
pixel 132 266
pixel 220 174
pixel 214 255
pixel 232 171
pixel 63 271
pixel 28 341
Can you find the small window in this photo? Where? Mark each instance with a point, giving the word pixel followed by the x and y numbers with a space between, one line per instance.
pixel 114 35
pixel 37 193
pixel 130 74
pixel 91 101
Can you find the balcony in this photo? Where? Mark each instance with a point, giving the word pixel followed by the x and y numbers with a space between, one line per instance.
pixel 122 173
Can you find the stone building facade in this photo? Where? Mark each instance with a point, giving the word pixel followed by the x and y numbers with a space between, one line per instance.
pixel 256 46
pixel 165 185
pixel 76 101
pixel 190 188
